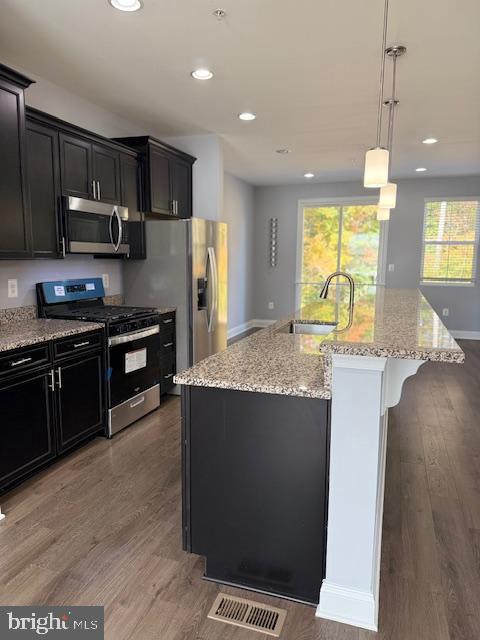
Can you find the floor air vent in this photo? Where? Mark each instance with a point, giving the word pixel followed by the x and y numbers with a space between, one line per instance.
pixel 248 614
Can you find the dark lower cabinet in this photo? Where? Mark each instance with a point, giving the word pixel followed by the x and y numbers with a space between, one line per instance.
pixel 79 399
pixel 50 401
pixel 26 425
pixel 168 352
pixel 254 488
pixel 15 236
pixel 44 182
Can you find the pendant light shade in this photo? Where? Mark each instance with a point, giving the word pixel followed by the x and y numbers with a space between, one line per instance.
pixel 388 196
pixel 376 168
pixel 383 213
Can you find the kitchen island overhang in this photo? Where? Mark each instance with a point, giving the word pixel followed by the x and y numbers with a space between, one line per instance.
pixel 361 371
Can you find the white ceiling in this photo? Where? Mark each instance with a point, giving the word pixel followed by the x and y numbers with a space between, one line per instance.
pixel 308 69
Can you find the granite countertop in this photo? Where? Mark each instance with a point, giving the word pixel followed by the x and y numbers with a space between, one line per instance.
pixel 393 323
pixel 165 309
pixel 22 333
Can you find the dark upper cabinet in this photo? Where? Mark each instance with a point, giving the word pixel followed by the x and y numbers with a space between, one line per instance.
pixel 89 170
pixel 159 195
pixel 130 196
pixel 76 166
pixel 106 172
pixel 79 399
pixel 44 184
pixel 15 237
pixel 182 187
pixel 166 177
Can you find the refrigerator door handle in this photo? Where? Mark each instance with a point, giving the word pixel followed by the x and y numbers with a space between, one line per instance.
pixel 213 298
pixel 215 283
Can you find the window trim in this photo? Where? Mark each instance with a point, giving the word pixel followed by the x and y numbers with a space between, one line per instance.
pixel 476 243
pixel 338 201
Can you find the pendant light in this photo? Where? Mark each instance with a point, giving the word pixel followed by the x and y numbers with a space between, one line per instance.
pixel 377 159
pixel 383 213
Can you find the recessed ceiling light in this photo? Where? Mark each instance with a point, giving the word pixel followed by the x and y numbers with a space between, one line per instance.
pixel 219 14
pixel 420 169
pixel 247 115
pixel 202 74
pixel 429 141
pixel 309 174
pixel 126 5
pixel 283 151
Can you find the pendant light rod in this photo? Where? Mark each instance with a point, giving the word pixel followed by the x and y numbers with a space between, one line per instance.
pixel 394 53
pixel 382 74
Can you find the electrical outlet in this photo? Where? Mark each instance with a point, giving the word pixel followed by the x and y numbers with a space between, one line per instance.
pixel 391 267
pixel 12 288
pixel 106 280
pixel 271 305
pixel 445 312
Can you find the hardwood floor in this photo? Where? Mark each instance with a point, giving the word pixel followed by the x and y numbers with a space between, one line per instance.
pixel 103 527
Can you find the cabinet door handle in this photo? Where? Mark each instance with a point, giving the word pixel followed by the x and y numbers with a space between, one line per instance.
pixel 94 189
pixel 59 377
pixel 176 207
pixel 77 345
pixel 16 363
pixel 62 242
pixel 51 384
pixel 98 190
pixel 168 321
pixel 168 344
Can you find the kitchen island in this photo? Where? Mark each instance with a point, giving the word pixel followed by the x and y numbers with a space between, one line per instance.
pixel 284 448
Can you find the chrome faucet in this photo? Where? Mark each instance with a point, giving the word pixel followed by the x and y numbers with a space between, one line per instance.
pixel 335 274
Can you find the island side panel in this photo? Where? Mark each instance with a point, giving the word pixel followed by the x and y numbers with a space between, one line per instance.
pixel 257 482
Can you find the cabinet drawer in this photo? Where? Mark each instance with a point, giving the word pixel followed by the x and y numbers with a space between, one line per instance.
pixel 167 346
pixel 167 371
pixel 77 344
pixel 167 322
pixel 24 359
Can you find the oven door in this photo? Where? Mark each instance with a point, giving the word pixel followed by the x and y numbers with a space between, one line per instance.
pixel 95 227
pixel 134 363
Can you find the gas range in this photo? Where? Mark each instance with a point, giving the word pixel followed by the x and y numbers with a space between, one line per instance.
pixel 132 344
pixel 83 300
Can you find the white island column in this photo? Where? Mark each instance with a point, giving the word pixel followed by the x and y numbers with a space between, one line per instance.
pixel 362 390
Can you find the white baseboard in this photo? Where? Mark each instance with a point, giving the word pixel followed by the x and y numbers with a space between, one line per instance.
pixel 350 606
pixel 246 326
pixel 466 335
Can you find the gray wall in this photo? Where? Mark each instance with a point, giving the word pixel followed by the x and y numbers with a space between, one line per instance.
pixel 238 213
pixel 404 244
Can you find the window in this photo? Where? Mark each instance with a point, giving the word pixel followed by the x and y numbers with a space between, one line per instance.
pixel 335 236
pixel 450 241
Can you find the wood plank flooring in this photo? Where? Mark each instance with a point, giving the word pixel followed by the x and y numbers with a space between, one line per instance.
pixel 103 527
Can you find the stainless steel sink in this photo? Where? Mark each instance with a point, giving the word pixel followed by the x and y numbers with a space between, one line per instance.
pixel 314 329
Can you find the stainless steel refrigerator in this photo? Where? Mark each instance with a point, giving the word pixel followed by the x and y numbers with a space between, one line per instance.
pixel 186 267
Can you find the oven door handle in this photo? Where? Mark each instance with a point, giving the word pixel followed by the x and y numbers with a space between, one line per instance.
pixel 133 335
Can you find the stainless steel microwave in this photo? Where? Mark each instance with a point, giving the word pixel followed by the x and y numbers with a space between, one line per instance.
pixel 95 227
